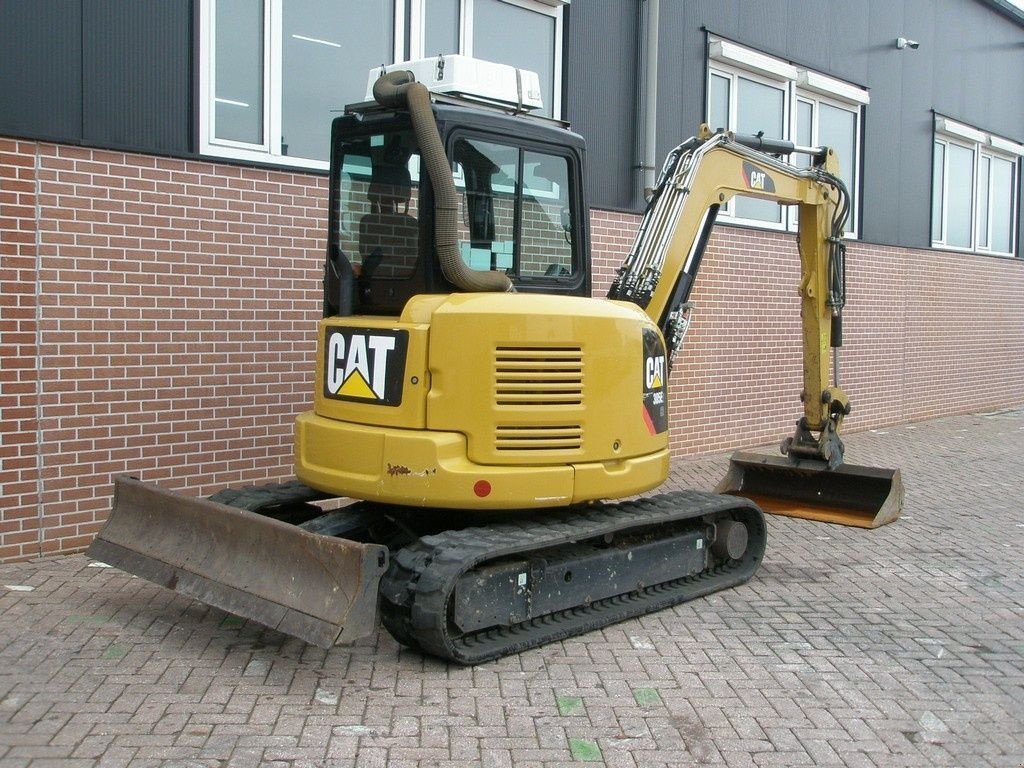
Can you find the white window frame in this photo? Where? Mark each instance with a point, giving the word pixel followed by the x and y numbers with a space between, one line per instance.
pixel 733 61
pixel 408 29
pixel 417 34
pixel 760 77
pixel 982 144
pixel 816 100
pixel 270 150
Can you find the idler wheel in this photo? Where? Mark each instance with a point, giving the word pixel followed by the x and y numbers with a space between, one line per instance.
pixel 730 539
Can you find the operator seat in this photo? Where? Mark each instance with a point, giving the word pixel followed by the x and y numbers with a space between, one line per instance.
pixel 389 234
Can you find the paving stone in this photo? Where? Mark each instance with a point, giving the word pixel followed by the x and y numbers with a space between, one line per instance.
pixel 901 647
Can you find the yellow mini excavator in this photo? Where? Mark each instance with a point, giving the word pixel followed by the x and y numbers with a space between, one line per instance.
pixel 480 413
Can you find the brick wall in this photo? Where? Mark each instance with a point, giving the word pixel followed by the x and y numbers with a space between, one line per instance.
pixel 926 333
pixel 174 330
pixel 19 478
pixel 177 311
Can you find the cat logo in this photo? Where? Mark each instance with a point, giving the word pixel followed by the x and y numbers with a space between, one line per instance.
pixel 364 365
pixel 655 372
pixel 756 179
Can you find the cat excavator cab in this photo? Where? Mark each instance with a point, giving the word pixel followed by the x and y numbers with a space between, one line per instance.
pixel 492 427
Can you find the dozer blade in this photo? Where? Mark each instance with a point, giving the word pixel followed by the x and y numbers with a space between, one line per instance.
pixel 318 588
pixel 865 497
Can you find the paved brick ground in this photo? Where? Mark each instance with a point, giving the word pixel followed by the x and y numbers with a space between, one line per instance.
pixel 897 647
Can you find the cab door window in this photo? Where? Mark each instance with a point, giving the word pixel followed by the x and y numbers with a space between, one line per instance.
pixel 513 206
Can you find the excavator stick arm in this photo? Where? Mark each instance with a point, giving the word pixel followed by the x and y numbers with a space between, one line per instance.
pixel 699 177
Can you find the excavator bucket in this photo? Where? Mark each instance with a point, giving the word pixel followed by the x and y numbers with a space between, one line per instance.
pixel 865 497
pixel 317 588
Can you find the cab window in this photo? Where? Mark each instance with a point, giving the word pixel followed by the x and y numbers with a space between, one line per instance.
pixel 378 221
pixel 513 210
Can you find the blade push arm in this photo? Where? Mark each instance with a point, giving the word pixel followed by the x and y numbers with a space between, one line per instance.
pixel 699 177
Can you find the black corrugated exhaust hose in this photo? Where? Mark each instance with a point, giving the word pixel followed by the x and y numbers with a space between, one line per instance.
pixel 399 89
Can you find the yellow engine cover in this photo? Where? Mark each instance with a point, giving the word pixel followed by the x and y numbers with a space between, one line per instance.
pixel 491 401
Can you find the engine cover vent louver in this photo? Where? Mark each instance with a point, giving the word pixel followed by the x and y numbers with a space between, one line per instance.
pixel 538 381
pixel 566 437
pixel 538 376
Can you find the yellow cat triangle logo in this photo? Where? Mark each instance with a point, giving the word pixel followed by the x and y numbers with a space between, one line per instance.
pixel 356 386
pixel 656 384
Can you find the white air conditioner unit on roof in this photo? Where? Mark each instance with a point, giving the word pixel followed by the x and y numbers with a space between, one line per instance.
pixel 470 78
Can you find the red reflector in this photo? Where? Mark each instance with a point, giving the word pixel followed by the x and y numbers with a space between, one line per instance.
pixel 482 488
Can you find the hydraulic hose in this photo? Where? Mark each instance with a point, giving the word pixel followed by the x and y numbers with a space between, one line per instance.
pixel 397 90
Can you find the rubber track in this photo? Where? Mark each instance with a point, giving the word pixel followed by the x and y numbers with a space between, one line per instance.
pixel 258 497
pixel 416 590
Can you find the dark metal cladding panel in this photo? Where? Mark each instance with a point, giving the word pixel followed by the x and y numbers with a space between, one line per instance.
pixel 601 96
pixel 978 55
pixel 912 96
pixel 40 69
pixel 964 68
pixel 766 23
pixel 888 150
pixel 137 74
pixel 693 94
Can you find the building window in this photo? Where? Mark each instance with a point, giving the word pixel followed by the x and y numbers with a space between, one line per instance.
pixel 274 73
pixel 521 33
pixel 749 92
pixel 975 175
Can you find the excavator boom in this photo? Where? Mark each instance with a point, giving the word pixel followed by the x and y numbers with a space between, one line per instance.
pixel 698 178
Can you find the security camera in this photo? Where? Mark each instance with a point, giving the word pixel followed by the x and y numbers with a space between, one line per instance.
pixel 902 42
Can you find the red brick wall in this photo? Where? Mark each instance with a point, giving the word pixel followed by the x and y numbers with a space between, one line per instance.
pixel 177 305
pixel 926 333
pixel 19 477
pixel 176 326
